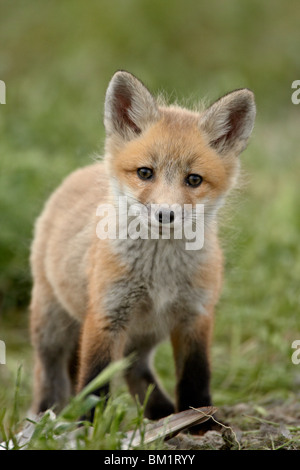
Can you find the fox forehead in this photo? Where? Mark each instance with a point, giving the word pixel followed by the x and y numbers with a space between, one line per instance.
pixel 175 137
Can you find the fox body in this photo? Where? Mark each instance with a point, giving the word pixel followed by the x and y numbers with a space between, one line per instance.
pixel 95 300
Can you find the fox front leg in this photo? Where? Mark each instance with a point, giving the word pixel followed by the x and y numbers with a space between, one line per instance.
pixel 100 344
pixel 191 344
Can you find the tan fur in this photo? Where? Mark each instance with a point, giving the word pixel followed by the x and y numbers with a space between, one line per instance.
pixel 102 299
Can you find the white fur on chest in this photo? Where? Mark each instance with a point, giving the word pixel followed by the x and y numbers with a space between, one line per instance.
pixel 158 291
pixel 164 267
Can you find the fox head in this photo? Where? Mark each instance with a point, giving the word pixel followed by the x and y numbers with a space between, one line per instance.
pixel 167 155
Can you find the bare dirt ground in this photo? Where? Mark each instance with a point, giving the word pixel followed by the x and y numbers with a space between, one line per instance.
pixel 249 427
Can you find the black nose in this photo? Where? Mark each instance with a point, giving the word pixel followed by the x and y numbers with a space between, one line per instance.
pixel 165 216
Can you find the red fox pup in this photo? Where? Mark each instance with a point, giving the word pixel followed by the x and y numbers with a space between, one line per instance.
pixel 97 298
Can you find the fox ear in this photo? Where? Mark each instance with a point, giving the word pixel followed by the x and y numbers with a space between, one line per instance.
pixel 129 106
pixel 228 122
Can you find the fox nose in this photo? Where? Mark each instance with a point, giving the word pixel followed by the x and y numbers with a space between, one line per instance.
pixel 165 216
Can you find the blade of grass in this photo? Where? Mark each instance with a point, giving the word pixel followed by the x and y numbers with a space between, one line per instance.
pixel 84 400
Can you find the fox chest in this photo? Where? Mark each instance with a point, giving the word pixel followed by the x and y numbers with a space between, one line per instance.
pixel 159 282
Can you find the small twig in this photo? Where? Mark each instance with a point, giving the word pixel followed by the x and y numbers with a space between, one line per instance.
pixel 220 424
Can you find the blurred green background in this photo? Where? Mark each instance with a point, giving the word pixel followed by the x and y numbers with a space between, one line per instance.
pixel 56 58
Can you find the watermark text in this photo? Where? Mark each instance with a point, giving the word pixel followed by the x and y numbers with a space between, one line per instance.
pixel 2 352
pixel 2 92
pixel 296 354
pixel 153 221
pixel 296 94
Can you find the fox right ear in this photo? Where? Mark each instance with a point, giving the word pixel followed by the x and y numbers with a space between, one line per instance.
pixel 129 106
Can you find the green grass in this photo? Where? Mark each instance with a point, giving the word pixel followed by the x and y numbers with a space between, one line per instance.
pixel 68 430
pixel 56 60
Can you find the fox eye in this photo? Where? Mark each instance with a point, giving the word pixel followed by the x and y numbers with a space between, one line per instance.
pixel 145 173
pixel 194 180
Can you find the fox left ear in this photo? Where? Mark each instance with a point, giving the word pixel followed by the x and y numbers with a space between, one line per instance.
pixel 228 122
pixel 129 106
